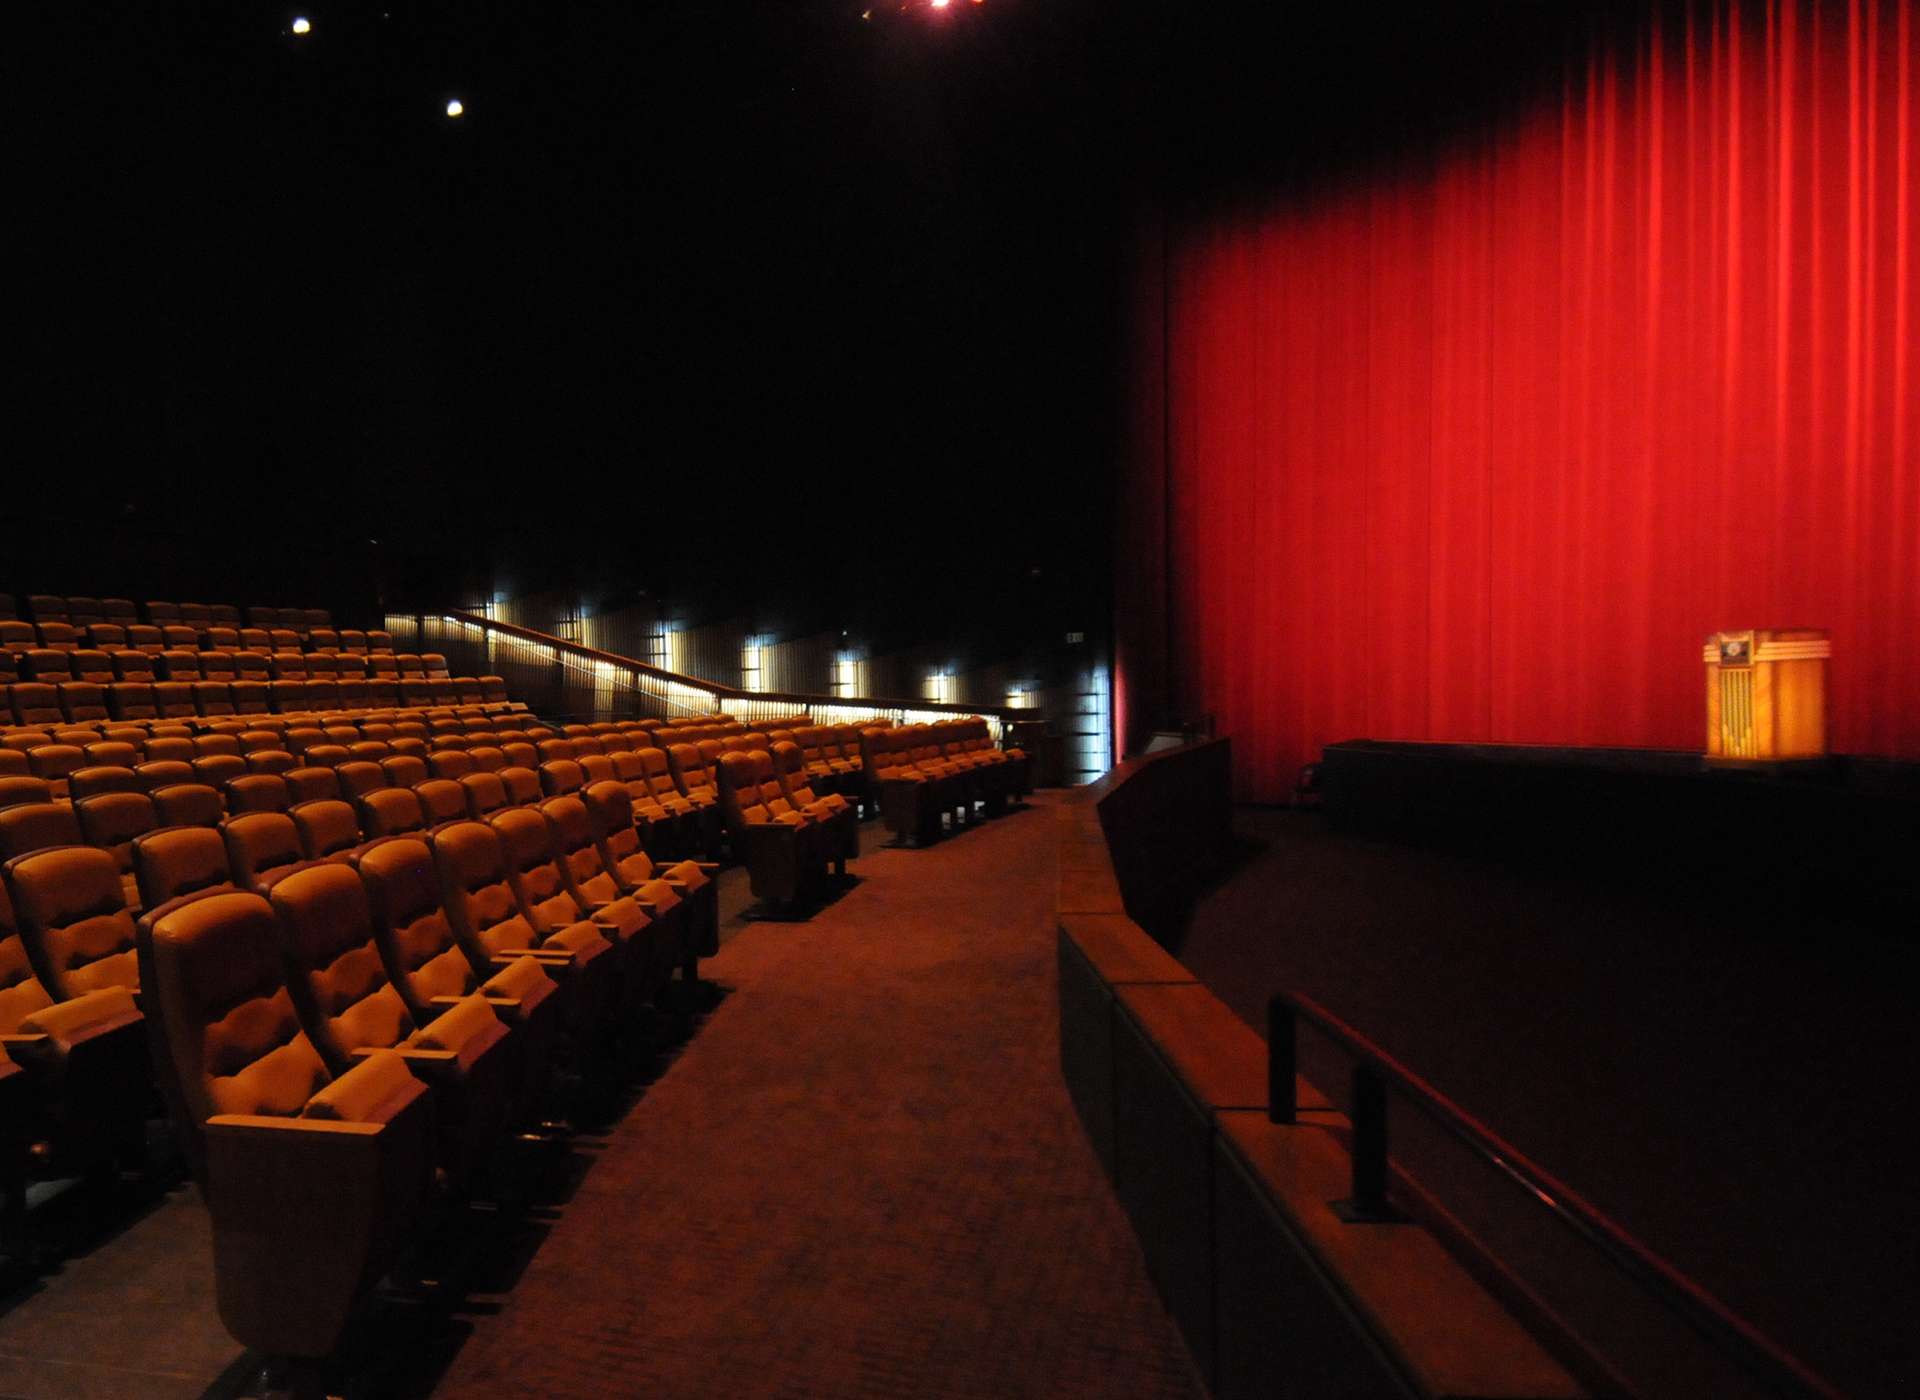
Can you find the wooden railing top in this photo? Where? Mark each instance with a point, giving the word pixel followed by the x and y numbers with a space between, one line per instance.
pixel 719 691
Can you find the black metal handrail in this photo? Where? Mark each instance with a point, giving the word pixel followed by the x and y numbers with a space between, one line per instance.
pixel 717 689
pixel 1375 1071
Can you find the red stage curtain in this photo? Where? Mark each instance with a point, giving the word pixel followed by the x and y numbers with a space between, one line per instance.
pixel 1482 446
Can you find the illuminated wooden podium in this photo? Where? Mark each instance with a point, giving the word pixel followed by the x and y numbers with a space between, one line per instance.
pixel 1767 694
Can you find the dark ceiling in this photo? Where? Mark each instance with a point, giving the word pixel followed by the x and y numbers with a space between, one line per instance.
pixel 798 308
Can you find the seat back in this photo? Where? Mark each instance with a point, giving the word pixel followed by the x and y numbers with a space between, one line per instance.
pixel 392 811
pixel 692 775
pixel 188 804
pixel 357 776
pixel 99 778
pixel 37 826
pixel 261 847
pixel 740 801
pixel 610 809
pixel 486 758
pixel 233 1041
pixel 161 773
pixel 72 911
pixel 89 664
pixel 339 983
pixel 311 783
pixel 424 959
pixel 441 800
pixel 18 788
pixel 522 785
pixel 21 993
pixel 326 826
pixel 179 860
pixel 477 889
pixel 561 776
pixel 258 792
pixel 404 770
pixel 485 794
pixel 790 769
pixel 109 821
pixel 131 666
pixel 586 864
pixel 450 763
pixel 527 842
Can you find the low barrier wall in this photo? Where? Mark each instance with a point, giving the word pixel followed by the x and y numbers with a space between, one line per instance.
pixel 1274 1292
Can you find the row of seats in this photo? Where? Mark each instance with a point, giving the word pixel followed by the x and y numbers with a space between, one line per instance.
pixel 921 773
pixel 439 942
pixel 19 636
pixel 82 612
pixel 32 703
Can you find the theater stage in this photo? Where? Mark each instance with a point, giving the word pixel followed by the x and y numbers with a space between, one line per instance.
pixel 1735 1091
pixel 1832 838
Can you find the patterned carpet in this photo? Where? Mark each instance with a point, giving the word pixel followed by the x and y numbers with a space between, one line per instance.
pixel 861 1178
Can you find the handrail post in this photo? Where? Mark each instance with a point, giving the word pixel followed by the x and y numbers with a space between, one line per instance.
pixel 1283 1059
pixel 1368 1204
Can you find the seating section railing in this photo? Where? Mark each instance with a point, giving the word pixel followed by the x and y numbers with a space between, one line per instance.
pixel 607 685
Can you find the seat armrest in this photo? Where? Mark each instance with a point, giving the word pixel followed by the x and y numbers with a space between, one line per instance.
pixel 503 1003
pixel 427 1065
pixel 85 1016
pixel 240 1126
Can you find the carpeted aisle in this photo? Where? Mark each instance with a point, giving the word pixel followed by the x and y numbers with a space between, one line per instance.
pixel 861 1178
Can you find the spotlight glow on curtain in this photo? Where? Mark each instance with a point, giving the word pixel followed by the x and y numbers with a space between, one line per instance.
pixel 1482 449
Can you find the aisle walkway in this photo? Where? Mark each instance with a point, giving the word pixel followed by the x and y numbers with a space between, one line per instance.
pixel 861 1178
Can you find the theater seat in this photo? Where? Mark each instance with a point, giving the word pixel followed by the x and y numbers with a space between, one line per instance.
pixel 441 800
pixel 784 852
pixel 132 666
pixel 648 923
pixel 159 773
pixel 261 847
pixel 634 869
pixel 55 763
pixel 272 1132
pixel 495 925
pixel 257 792
pixel 45 664
pixel 84 1059
pixel 19 788
pixel 179 860
pixel 327 827
pixel 189 804
pixel 357 776
pixel 391 811
pixel 110 821
pixel 840 817
pixel 74 918
pixel 83 702
pixel 432 971
pixel 349 1007
pixel 99 778
pixel 89 664
pixel 911 802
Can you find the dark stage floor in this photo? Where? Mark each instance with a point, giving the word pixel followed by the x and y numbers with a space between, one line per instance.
pixel 1744 1106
